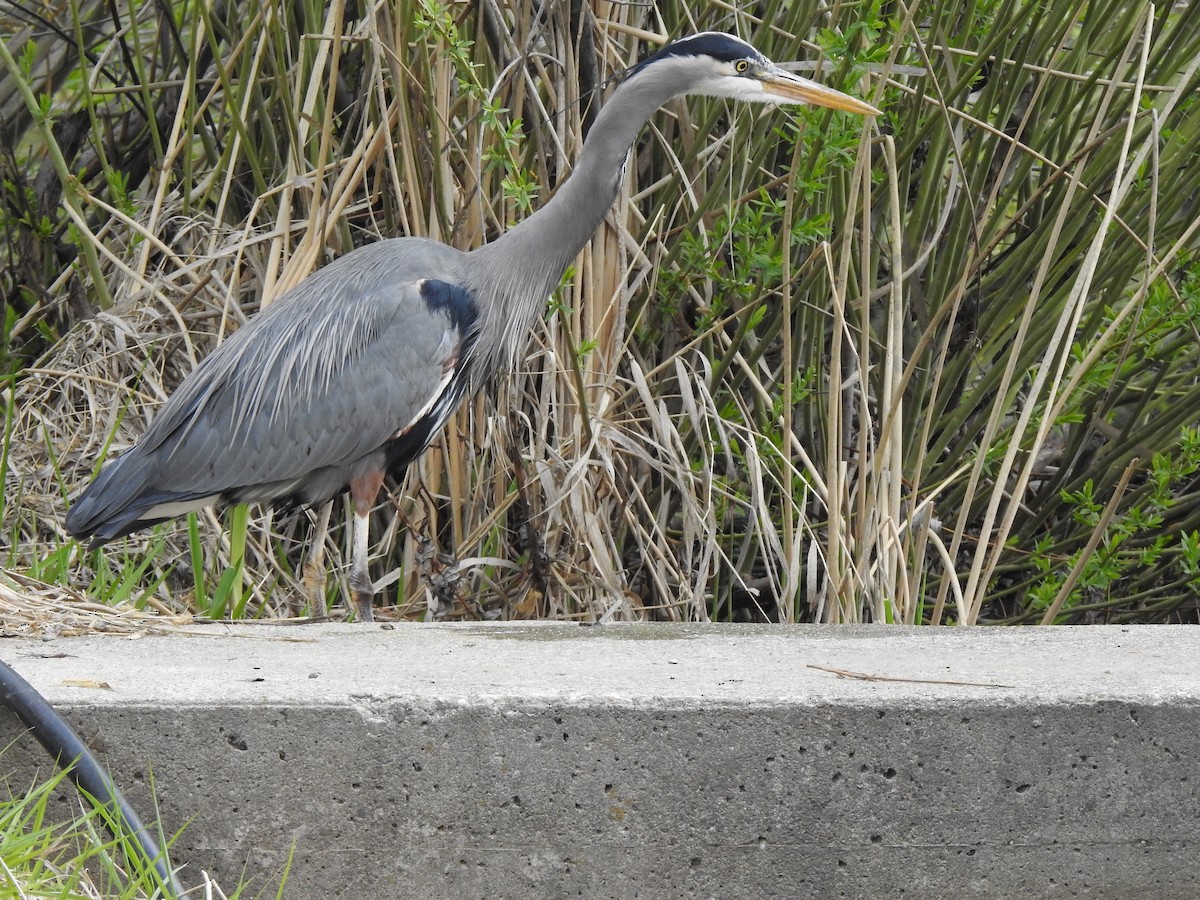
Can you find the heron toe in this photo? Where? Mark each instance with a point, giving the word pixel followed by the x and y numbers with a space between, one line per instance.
pixel 364 604
pixel 314 580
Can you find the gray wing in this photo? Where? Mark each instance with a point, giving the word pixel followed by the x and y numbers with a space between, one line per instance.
pixel 305 396
pixel 306 391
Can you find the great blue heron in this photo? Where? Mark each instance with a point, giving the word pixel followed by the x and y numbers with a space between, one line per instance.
pixel 348 376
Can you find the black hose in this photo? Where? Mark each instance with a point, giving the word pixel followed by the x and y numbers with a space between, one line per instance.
pixel 62 743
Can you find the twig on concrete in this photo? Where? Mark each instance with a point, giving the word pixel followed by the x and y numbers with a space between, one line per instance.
pixel 864 676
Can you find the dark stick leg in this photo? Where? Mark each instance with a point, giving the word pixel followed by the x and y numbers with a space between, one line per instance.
pixel 363 490
pixel 314 566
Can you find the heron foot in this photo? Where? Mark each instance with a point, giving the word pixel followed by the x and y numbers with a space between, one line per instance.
pixel 362 592
pixel 314 589
pixel 363 602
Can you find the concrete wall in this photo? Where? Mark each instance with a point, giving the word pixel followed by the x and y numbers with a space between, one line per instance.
pixel 652 761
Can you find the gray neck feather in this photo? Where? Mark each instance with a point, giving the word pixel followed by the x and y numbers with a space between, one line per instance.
pixel 512 277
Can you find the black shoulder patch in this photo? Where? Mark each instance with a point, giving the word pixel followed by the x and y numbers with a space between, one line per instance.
pixel 453 301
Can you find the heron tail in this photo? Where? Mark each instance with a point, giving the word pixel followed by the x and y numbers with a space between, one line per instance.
pixel 123 499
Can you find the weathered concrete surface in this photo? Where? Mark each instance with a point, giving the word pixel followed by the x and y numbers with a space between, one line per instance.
pixel 653 761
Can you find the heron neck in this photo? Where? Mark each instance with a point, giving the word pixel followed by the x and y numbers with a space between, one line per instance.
pixel 535 253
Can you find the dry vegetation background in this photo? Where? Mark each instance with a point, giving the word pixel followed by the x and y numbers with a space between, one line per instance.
pixel 940 367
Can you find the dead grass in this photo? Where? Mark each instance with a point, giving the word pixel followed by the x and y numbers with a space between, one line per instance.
pixel 691 433
pixel 30 608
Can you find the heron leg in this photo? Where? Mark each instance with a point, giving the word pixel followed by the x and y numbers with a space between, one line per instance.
pixel 314 566
pixel 363 490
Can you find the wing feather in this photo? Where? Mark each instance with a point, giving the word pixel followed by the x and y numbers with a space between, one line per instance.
pixel 312 387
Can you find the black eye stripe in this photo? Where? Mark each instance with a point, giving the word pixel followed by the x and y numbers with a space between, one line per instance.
pixel 721 47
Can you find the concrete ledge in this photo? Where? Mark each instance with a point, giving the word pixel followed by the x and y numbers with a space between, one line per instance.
pixel 650 760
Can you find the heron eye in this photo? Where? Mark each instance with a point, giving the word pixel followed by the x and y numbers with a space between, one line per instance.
pixel 741 66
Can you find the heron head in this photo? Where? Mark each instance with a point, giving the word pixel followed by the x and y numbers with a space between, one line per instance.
pixel 721 65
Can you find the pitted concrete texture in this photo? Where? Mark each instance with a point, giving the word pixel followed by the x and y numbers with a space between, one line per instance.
pixel 647 761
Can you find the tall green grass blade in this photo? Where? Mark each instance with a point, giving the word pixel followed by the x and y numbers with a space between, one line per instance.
pixel 196 554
